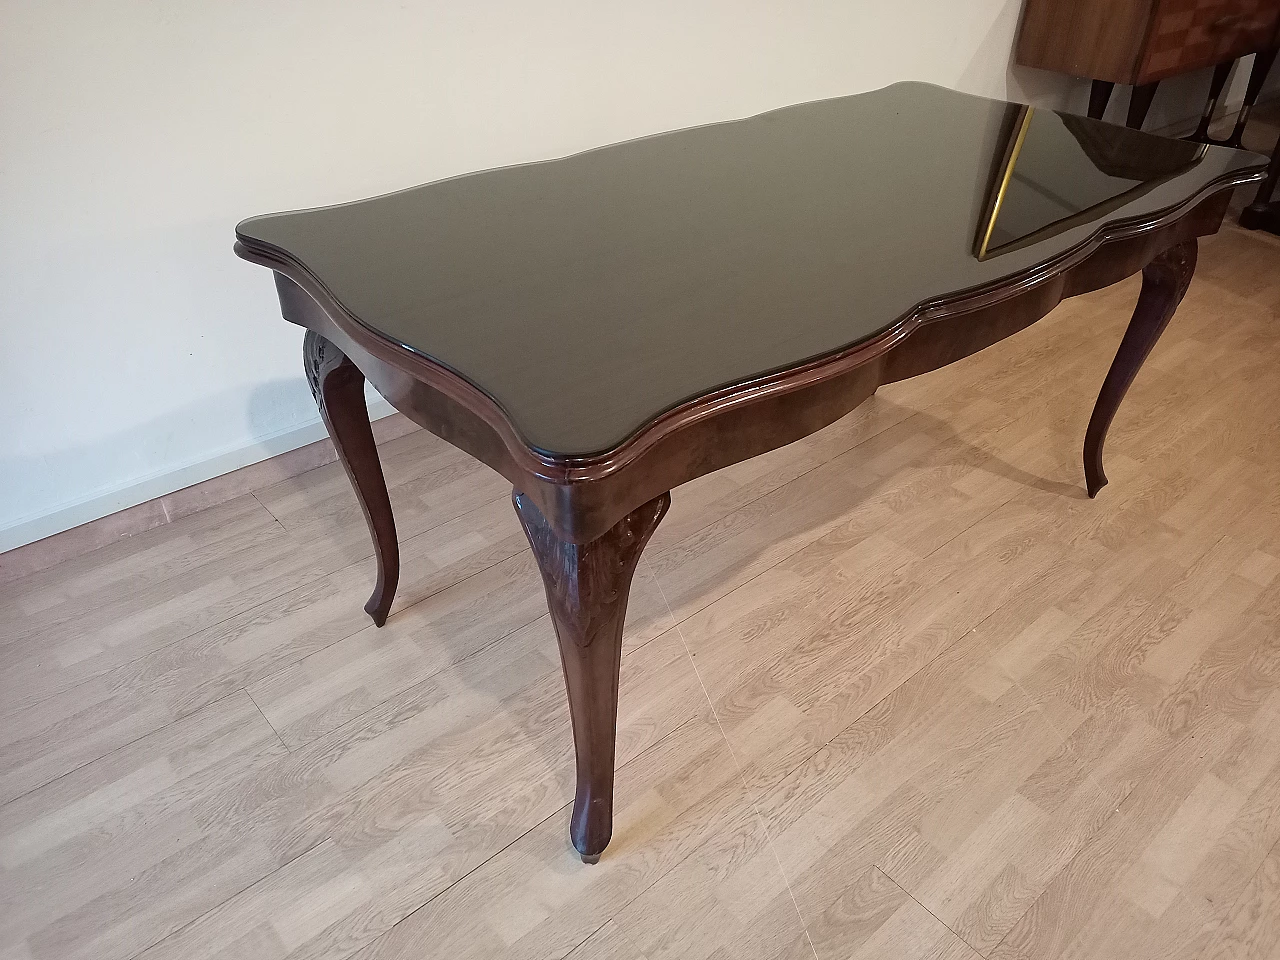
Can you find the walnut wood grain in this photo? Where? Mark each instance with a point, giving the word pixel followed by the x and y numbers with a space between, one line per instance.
pixel 1099 39
pixel 1141 42
pixel 587 586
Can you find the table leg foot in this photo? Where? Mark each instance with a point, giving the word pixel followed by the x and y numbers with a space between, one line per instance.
pixel 1164 283
pixel 587 587
pixel 338 386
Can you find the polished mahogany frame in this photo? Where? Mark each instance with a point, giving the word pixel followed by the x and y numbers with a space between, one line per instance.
pixel 588 518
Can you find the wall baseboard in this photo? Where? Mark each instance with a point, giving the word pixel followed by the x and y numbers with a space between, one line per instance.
pixel 83 527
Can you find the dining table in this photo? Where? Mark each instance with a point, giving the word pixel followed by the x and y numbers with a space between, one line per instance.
pixel 604 327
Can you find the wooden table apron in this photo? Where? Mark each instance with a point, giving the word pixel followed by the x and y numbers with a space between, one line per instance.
pixel 588 518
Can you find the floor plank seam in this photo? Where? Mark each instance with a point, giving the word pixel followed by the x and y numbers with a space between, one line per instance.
pixel 742 775
pixel 555 813
pixel 351 720
pixel 285 666
pixel 783 559
pixel 772 490
pixel 572 950
pixel 177 717
pixel 254 494
pixel 429 677
pixel 623 933
pixel 1245 889
pixel 177 640
pixel 1063 870
pixel 803 760
pixel 249 886
pixel 1089 775
pixel 123 746
pixel 427 596
pixel 441 892
pixel 266 720
pixel 809 756
pixel 1041 779
pixel 884 873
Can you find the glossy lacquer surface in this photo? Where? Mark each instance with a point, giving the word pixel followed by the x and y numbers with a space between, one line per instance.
pixel 588 295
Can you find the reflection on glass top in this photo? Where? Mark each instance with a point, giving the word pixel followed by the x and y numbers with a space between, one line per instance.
pixel 588 295
pixel 1057 170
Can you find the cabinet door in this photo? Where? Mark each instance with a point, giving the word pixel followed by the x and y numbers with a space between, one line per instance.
pixel 1190 34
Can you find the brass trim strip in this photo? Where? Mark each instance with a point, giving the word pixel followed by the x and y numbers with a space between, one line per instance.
pixel 1004 183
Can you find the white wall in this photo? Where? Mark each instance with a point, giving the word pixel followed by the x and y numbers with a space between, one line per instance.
pixel 139 355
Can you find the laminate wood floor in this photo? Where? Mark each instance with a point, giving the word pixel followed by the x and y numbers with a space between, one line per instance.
pixel 897 690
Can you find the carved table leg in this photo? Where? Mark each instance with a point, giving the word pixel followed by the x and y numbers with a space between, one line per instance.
pixel 1164 282
pixel 338 387
pixel 587 586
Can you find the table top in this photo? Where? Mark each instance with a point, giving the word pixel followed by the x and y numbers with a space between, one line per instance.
pixel 588 295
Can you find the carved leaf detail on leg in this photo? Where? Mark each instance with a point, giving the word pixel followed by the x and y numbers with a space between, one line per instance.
pixel 587 587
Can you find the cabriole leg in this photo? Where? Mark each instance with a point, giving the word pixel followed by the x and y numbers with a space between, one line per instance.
pixel 338 387
pixel 1164 282
pixel 587 587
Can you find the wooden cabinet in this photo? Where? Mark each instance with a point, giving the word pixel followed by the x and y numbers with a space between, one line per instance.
pixel 1141 42
pixel 1193 34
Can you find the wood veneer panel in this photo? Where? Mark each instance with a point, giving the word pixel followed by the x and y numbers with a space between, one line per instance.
pixel 1097 39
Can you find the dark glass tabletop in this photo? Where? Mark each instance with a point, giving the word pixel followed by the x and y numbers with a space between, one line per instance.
pixel 588 295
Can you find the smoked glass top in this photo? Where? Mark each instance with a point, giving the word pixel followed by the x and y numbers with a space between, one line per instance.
pixel 590 294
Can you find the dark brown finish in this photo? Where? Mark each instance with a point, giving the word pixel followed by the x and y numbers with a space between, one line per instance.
pixel 1140 41
pixel 1099 96
pixel 338 386
pixel 1139 103
pixel 1164 283
pixel 587 586
pixel 583 497
pixel 588 517
pixel 1098 39
pixel 793 227
pixel 1188 35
